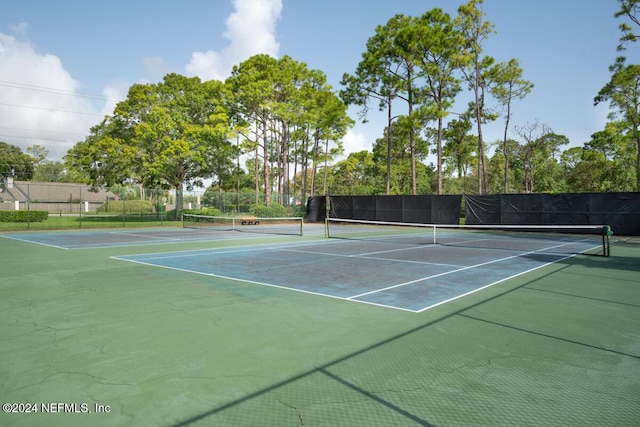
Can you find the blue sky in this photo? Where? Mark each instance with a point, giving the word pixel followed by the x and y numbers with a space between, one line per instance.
pixel 64 63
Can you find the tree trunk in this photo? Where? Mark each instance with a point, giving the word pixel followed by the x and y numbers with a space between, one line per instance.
pixel 504 149
pixel 326 159
pixel 265 163
pixel 482 165
pixel 314 164
pixel 256 164
pixel 304 151
pixel 179 200
pixel 412 141
pixel 637 161
pixel 389 129
pixel 439 154
pixel 285 160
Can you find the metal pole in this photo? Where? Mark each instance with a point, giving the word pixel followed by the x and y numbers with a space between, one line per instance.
pixel 28 207
pixel 80 205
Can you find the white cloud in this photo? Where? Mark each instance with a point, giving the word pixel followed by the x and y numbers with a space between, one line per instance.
pixel 251 29
pixel 39 102
pixel 355 141
pixel 39 99
pixel 113 94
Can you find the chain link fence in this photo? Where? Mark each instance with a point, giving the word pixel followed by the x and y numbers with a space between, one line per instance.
pixel 231 203
pixel 44 205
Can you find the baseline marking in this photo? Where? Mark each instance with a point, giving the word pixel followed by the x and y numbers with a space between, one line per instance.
pixel 236 279
pixel 37 243
pixel 365 256
pixel 469 267
pixel 190 253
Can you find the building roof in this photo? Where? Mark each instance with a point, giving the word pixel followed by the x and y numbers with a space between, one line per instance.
pixel 52 192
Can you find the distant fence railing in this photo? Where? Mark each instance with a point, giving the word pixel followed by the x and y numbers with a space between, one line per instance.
pixel 53 207
pixel 79 205
pixel 229 203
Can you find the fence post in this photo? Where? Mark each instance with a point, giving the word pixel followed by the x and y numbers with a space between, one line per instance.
pixel 80 206
pixel 28 206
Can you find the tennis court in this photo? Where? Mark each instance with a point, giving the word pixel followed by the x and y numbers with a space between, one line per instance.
pixel 401 269
pixel 183 327
pixel 146 236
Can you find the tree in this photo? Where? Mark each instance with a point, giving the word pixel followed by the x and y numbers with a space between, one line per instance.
pixel 509 85
pixel 332 125
pixel 623 94
pixel 164 135
pixel 504 152
pixel 47 170
pixel 539 157
pixel 438 45
pixel 476 70
pixel 605 163
pixel 587 170
pixel 14 163
pixel 392 50
pixel 39 153
pixel 294 116
pixel 325 121
pixel 400 172
pixel 458 150
pixel 104 158
pixel 355 175
pixel 372 81
pixel 51 171
pixel 631 10
pixel 252 83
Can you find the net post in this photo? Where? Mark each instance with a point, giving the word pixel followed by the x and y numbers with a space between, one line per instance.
pixel 606 240
pixel 326 227
pixel 301 226
pixel 435 240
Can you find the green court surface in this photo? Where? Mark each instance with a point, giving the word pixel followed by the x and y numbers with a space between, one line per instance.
pixel 89 339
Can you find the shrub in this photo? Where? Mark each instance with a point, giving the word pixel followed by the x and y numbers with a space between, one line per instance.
pixel 128 206
pixel 276 210
pixel 23 216
pixel 300 211
pixel 203 211
pixel 170 215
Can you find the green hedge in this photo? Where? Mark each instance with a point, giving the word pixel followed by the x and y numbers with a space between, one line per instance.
pixel 128 206
pixel 203 211
pixel 23 216
pixel 276 210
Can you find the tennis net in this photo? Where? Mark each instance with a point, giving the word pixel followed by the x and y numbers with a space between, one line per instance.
pixel 557 239
pixel 285 225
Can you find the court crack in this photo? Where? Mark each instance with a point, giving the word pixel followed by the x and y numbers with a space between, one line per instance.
pixel 298 410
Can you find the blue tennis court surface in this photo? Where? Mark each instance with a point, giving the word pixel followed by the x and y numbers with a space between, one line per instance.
pixel 395 275
pixel 81 239
pixel 411 275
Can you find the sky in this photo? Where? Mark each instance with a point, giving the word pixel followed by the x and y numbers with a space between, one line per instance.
pixel 65 64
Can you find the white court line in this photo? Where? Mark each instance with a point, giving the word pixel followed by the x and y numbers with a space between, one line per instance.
pixel 184 254
pixel 366 256
pixel 351 298
pixel 37 243
pixel 462 269
pixel 145 235
pixel 498 281
pixel 212 251
pixel 236 279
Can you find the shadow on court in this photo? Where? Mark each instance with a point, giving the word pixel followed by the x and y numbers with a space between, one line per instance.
pixel 556 346
pixel 517 357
